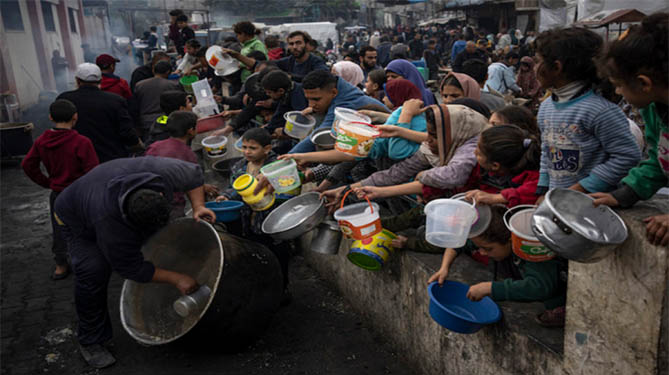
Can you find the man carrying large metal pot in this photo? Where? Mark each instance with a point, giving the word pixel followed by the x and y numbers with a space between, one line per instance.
pixel 108 214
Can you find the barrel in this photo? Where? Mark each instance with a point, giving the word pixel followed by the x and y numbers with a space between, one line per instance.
pixel 245 279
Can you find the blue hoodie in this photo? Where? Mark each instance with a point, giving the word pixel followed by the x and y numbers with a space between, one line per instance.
pixel 348 96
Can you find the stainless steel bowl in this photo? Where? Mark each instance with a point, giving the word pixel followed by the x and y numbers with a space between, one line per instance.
pixel 295 217
pixel 570 225
pixel 323 140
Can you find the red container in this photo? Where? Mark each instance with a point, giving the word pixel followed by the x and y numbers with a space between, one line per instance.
pixel 210 123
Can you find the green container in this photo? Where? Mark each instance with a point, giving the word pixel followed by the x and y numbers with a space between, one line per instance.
pixel 187 82
pixel 425 72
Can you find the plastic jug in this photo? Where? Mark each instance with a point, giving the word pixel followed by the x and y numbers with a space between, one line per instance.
pixel 245 185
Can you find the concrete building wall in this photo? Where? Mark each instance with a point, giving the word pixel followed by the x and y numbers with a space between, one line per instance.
pixel 24 60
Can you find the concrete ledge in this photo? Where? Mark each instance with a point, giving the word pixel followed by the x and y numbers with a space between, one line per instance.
pixel 614 312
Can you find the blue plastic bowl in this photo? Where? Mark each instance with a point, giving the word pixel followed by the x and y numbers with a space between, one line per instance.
pixel 226 211
pixel 450 307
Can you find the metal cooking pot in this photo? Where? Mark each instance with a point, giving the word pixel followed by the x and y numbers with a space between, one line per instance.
pixel 243 279
pixel 295 217
pixel 323 140
pixel 327 239
pixel 568 223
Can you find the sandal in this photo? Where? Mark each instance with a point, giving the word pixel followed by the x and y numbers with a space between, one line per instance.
pixel 60 276
pixel 552 318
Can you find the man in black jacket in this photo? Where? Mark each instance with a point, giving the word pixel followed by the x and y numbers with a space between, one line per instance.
pixel 470 52
pixel 106 216
pixel 103 116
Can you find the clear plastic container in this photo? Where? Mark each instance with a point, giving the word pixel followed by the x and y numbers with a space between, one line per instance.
pixel 346 115
pixel 297 124
pixel 283 175
pixel 448 222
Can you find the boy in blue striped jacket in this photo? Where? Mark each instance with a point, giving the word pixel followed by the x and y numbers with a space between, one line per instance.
pixel 586 143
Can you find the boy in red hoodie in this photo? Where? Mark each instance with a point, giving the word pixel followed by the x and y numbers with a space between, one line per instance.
pixel 66 155
pixel 110 82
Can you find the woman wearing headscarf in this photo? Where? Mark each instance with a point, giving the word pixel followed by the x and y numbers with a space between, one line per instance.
pixel 444 161
pixel 459 85
pixel 405 69
pixel 350 72
pixel 527 79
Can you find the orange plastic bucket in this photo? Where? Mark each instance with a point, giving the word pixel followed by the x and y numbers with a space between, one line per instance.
pixel 356 138
pixel 523 242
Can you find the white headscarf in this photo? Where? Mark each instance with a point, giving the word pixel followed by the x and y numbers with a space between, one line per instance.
pixel 349 71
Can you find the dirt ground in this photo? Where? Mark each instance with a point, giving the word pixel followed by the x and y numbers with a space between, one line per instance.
pixel 316 334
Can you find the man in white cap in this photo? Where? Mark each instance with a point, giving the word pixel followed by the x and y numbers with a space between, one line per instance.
pixel 103 116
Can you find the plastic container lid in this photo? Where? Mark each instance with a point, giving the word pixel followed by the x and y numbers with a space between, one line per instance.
pixel 483 216
pixel 215 141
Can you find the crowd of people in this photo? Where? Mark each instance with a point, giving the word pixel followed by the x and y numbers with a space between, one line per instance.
pixel 467 137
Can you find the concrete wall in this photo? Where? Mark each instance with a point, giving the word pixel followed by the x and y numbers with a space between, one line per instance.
pixel 614 312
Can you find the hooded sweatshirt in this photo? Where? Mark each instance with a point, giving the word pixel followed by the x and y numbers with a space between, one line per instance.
pixel 348 96
pixel 93 207
pixel 115 85
pixel 66 155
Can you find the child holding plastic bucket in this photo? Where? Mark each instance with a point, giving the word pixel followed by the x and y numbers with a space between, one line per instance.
pixel 526 281
pixel 244 176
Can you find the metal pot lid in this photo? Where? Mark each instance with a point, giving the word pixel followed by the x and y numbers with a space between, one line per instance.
pixel 483 216
pixel 292 213
pixel 576 211
pixel 184 246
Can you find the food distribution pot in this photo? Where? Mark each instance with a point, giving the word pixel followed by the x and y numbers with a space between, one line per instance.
pixel 570 225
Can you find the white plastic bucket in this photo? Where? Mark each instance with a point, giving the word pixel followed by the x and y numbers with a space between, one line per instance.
pixel 215 144
pixel 356 138
pixel 297 124
pixel 346 115
pixel 360 220
pixel 449 222
pixel 523 242
pixel 282 174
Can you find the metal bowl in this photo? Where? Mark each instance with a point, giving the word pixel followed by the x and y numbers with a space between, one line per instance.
pixel 323 140
pixel 570 225
pixel 295 217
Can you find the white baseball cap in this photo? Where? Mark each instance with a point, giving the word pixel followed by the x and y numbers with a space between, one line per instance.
pixel 88 72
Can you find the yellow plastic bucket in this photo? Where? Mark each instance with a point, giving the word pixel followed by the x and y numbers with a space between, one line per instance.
pixel 372 253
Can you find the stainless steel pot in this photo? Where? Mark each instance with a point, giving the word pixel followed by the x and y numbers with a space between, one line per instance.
pixel 295 217
pixel 570 225
pixel 327 239
pixel 323 140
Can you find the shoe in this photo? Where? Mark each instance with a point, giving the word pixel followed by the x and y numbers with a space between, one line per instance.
pixel 61 276
pixel 552 318
pixel 97 356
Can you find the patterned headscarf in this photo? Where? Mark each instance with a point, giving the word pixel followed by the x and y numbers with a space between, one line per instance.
pixel 455 125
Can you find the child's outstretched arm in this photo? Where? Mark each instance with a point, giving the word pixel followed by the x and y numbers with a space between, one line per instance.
pixel 446 261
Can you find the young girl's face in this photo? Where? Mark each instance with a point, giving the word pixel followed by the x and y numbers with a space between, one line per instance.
pixel 545 74
pixel 370 87
pixel 494 250
pixel 633 94
pixel 432 138
pixel 483 161
pixel 450 93
pixel 496 119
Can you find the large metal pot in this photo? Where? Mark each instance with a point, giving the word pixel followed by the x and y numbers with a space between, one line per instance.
pixel 16 138
pixel 295 217
pixel 244 278
pixel 327 239
pixel 570 225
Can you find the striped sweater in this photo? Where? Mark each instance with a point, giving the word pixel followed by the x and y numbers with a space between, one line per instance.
pixel 585 140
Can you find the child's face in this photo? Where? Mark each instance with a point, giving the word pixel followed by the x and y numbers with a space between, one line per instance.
pixel 494 250
pixel 253 151
pixel 633 94
pixel 496 119
pixel 181 24
pixel 190 50
pixel 546 75
pixel 432 138
pixel 371 87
